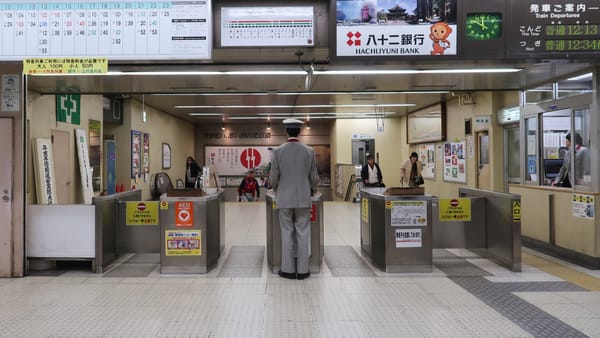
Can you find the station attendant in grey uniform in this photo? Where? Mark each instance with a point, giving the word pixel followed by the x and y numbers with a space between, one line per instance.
pixel 294 178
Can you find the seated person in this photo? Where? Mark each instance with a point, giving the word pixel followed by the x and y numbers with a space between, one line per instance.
pixel 371 173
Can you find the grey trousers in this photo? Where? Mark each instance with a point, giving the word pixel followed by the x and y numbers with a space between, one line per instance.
pixel 295 239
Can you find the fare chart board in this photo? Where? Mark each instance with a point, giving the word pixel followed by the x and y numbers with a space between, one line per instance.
pixel 118 30
pixel 267 26
pixel 554 27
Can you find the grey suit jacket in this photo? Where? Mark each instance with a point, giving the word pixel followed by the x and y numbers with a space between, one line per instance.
pixel 293 175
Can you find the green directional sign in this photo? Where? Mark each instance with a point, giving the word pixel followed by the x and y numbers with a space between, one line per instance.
pixel 68 108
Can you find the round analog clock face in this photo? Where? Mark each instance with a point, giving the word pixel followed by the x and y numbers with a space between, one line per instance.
pixel 484 26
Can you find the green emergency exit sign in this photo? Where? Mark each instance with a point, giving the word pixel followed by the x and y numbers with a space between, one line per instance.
pixel 68 108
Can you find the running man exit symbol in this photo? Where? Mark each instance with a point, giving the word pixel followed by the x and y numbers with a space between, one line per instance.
pixel 68 108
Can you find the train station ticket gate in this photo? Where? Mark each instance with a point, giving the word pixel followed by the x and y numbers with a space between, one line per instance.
pixel 274 234
pixel 192 231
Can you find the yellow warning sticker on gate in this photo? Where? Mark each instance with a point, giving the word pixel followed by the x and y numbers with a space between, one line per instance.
pixel 164 205
pixel 455 209
pixel 516 211
pixel 365 210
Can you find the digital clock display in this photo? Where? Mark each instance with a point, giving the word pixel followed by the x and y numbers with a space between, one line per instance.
pixel 572 30
pixel 573 45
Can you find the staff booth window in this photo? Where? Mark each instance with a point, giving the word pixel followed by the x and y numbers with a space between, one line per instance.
pixel 559 154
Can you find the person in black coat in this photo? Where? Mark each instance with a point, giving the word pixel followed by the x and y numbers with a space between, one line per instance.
pixel 192 170
pixel 371 173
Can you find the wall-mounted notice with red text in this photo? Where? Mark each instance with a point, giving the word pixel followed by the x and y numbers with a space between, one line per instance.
pixel 374 28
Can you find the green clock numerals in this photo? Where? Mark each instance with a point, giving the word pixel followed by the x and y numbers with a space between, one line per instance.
pixel 484 26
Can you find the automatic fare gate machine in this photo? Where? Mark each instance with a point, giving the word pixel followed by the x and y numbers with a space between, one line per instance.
pixel 274 233
pixel 192 230
pixel 396 229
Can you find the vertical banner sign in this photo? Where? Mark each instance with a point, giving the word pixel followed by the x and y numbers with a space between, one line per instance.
pixel 68 108
pixel 136 154
pixel 146 157
pixel 184 214
pixel 44 171
pixel 84 165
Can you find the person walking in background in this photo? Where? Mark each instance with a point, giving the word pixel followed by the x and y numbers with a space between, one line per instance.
pixel 249 188
pixel 371 173
pixel 410 171
pixel 294 178
pixel 192 170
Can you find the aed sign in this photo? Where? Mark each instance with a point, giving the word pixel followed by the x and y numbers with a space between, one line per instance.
pixel 184 214
pixel 142 213
pixel 455 209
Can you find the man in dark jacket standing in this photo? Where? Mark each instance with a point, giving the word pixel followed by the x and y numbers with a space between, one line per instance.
pixel 371 173
pixel 294 178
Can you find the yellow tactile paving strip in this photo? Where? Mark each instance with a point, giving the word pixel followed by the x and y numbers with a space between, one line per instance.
pixel 576 277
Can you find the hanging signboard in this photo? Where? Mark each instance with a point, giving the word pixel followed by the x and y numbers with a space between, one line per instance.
pixel 559 28
pixel 117 30
pixel 267 26
pixel 376 28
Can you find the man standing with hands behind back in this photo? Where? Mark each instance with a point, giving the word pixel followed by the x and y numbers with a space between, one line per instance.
pixel 294 178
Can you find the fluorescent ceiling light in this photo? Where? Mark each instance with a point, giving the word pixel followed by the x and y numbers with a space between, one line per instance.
pixel 300 106
pixel 303 93
pixel 205 114
pixel 581 77
pixel 296 72
pixel 415 71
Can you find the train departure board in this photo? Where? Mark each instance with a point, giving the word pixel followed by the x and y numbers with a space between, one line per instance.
pixel 554 28
pixel 118 30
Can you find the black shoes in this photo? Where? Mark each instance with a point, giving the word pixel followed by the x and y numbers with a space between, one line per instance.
pixel 302 275
pixel 287 275
pixel 290 275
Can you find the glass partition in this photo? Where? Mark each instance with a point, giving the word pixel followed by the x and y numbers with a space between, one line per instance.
pixel 513 141
pixel 556 126
pixel 581 146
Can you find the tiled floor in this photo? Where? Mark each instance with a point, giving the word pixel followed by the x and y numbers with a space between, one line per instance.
pixel 490 301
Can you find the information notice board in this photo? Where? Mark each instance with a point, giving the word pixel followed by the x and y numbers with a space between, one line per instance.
pixel 119 30
pixel 561 28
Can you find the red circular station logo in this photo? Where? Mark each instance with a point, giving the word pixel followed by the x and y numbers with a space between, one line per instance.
pixel 250 158
pixel 141 206
pixel 454 203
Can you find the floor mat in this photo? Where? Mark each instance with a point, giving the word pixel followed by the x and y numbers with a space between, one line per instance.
pixel 243 261
pixel 455 266
pixel 343 261
pixel 138 265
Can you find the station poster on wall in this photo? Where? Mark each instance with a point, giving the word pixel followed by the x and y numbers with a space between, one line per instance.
pixel 427 157
pixel 455 163
pixel 237 160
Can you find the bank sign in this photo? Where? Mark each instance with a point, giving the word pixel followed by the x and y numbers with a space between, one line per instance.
pixel 396 40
